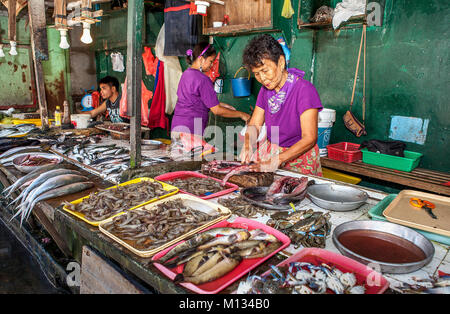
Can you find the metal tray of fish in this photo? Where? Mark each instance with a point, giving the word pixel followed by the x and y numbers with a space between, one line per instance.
pixel 198 188
pixel 257 196
pixel 171 190
pixel 238 271
pixel 26 169
pixel 336 197
pixel 206 207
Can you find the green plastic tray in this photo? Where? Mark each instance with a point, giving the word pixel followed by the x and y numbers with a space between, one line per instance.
pixel 407 163
pixel 376 213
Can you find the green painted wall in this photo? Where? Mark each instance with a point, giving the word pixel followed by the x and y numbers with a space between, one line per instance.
pixel 407 67
pixel 56 73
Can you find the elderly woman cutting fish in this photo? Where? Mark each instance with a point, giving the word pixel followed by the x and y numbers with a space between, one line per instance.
pixel 288 105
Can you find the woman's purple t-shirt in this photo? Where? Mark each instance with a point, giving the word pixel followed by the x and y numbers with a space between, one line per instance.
pixel 301 96
pixel 196 96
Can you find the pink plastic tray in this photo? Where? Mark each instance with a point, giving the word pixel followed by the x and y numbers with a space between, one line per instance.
pixel 187 174
pixel 244 267
pixel 373 281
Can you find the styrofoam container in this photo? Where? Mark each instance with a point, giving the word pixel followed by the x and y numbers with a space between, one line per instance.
pixel 201 6
pixel 81 120
pixel 217 24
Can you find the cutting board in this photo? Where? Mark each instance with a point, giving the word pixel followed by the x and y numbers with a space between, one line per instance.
pixel 402 212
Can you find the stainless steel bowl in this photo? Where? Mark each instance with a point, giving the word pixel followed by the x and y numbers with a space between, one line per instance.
pixel 150 144
pixel 336 197
pixel 403 232
pixel 27 169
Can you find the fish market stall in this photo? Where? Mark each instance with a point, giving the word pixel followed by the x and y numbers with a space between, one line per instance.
pixel 139 224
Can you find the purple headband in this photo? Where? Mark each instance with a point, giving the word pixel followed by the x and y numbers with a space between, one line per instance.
pixel 204 50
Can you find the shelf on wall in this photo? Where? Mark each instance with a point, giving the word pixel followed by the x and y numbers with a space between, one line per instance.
pixel 355 20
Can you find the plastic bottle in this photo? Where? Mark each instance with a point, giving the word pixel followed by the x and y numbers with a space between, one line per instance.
pixel 66 119
pixel 57 117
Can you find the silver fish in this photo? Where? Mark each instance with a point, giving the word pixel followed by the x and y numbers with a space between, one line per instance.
pixel 16 150
pixel 52 183
pixel 61 191
pixel 41 179
pixel 30 176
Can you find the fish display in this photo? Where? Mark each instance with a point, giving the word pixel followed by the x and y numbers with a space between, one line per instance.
pixel 287 189
pixel 24 209
pixel 148 229
pixel 109 160
pixel 17 130
pixel 197 186
pixel 240 207
pixel 30 160
pixel 304 227
pixel 7 143
pixel 27 179
pixel 303 278
pixel 229 168
pixel 206 257
pixel 42 184
pixel 106 203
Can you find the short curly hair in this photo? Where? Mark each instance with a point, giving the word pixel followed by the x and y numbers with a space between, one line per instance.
pixel 259 48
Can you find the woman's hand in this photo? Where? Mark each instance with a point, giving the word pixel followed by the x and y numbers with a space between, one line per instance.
pixel 246 154
pixel 270 165
pixel 245 116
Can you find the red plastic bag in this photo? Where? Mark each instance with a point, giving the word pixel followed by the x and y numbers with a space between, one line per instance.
pixel 150 61
pixel 213 72
pixel 146 95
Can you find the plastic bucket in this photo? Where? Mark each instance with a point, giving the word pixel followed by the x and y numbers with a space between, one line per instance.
pixel 241 86
pixel 201 6
pixel 327 117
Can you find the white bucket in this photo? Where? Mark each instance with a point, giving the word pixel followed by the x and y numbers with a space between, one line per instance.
pixel 81 120
pixel 202 6
pixel 327 115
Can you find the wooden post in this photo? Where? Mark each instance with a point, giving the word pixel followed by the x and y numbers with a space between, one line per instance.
pixel 12 20
pixel 39 46
pixel 134 77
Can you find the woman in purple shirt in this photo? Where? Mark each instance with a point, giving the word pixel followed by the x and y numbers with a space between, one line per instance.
pixel 196 95
pixel 288 105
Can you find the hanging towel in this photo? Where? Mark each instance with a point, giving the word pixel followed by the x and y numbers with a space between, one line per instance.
pixel 287 10
pixel 150 62
pixel 172 72
pixel 157 118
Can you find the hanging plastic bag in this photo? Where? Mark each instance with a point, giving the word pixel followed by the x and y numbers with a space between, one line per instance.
pixel 146 95
pixel 287 10
pixel 117 62
pixel 150 62
pixel 213 72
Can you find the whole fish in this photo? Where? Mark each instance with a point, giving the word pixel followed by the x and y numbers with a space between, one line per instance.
pixel 193 242
pixel 30 176
pixel 16 150
pixel 207 263
pixel 260 251
pixel 41 179
pixel 229 168
pixel 7 161
pixel 193 264
pixel 227 264
pixel 287 188
pixel 52 183
pixel 223 231
pixel 258 234
pixel 230 239
pixel 61 191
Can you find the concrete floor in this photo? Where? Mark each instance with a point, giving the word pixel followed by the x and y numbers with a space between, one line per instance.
pixel 19 272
